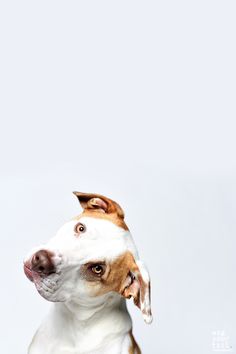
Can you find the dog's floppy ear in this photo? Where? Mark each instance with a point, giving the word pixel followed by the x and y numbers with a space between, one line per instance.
pixel 98 202
pixel 137 285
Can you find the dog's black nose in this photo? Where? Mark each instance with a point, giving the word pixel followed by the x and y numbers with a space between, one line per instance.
pixel 41 262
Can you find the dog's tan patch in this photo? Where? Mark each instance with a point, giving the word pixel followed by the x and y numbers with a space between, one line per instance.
pixel 115 278
pixel 123 276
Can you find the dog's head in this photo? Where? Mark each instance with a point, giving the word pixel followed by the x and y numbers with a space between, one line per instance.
pixel 90 256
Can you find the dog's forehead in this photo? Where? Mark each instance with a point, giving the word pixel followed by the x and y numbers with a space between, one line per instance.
pixel 100 228
pixel 102 238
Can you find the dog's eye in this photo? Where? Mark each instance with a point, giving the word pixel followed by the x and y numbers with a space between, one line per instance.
pixel 97 269
pixel 80 228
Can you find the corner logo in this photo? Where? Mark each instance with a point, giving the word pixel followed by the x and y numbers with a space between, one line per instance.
pixel 220 342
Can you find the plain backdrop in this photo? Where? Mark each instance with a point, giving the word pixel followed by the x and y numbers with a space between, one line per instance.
pixel 134 100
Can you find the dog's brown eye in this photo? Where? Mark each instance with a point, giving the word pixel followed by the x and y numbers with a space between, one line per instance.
pixel 80 228
pixel 97 269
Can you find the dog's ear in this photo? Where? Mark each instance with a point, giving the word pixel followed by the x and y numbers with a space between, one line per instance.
pixel 137 286
pixel 98 202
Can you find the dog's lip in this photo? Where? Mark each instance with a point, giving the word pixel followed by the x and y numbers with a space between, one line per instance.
pixel 28 272
pixel 31 274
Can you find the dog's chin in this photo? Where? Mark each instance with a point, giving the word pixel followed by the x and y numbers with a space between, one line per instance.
pixel 50 291
pixel 49 287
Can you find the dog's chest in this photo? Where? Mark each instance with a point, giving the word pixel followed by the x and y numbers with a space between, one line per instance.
pixel 112 346
pixel 59 334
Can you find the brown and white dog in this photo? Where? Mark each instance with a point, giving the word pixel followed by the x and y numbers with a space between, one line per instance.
pixel 88 269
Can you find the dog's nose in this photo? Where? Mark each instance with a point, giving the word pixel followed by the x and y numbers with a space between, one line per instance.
pixel 41 262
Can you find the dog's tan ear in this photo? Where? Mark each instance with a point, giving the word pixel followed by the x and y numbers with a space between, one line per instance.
pixel 98 202
pixel 137 285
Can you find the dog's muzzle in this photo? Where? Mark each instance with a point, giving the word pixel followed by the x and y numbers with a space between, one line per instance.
pixel 40 264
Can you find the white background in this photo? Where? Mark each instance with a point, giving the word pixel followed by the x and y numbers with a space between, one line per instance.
pixel 134 100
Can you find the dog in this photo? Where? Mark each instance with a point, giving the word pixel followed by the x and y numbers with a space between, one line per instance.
pixel 89 269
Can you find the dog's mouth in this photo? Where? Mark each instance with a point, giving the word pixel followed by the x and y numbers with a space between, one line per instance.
pixel 29 273
pixel 33 275
pixel 47 285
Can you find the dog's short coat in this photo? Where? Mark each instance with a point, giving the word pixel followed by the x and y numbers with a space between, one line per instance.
pixel 88 269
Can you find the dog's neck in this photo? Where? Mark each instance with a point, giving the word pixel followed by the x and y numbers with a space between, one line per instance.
pixel 103 319
pixel 84 309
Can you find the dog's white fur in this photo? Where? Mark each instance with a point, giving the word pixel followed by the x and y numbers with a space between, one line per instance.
pixel 79 321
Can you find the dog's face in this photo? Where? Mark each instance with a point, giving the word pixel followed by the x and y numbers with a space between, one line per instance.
pixel 91 256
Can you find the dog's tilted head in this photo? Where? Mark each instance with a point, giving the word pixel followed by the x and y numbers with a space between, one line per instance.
pixel 90 256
